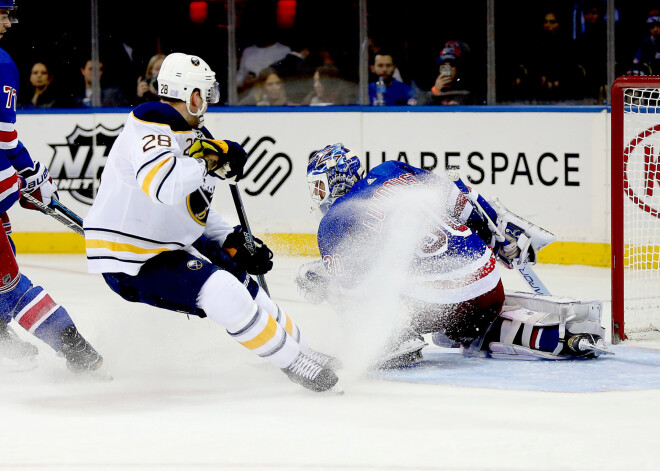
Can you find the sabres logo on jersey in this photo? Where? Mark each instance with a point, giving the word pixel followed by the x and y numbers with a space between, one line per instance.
pixel 194 264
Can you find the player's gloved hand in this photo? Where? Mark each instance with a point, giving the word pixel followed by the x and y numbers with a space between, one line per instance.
pixel 224 159
pixel 255 257
pixel 37 182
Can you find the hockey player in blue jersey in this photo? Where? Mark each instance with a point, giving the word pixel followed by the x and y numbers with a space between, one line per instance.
pixel 450 283
pixel 153 236
pixel 20 301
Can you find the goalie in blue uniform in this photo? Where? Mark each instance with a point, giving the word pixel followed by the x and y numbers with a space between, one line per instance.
pixel 427 237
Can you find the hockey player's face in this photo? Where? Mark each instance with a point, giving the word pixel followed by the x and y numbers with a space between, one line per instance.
pixel 319 190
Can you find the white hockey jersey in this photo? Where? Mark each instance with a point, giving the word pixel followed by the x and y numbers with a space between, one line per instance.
pixel 153 197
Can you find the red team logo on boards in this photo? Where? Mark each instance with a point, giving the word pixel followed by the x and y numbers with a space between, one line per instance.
pixel 641 171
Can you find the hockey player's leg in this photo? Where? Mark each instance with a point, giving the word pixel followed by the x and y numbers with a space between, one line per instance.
pixel 12 347
pixel 283 319
pixel 545 327
pixel 34 309
pixel 226 301
pixel 212 250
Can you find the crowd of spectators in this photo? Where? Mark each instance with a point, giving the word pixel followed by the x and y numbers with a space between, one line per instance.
pixel 560 58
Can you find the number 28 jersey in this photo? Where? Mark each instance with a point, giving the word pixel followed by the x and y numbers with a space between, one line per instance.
pixel 153 197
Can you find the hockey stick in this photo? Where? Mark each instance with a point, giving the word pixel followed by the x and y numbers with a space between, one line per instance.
pixel 523 268
pixel 242 218
pixel 58 211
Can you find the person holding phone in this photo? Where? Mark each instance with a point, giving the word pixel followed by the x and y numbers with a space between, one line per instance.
pixel 450 87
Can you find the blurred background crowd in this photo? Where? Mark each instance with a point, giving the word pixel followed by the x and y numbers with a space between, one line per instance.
pixel 341 52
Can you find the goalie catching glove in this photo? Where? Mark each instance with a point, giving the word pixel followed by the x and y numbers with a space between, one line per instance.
pixel 37 182
pixel 254 256
pixel 224 159
pixel 523 239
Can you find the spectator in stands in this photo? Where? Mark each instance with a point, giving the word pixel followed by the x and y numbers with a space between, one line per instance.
pixel 265 52
pixel 42 93
pixel 649 51
pixel 397 93
pixel 269 90
pixel 329 88
pixel 591 45
pixel 110 96
pixel 146 87
pixel 553 70
pixel 297 70
pixel 450 86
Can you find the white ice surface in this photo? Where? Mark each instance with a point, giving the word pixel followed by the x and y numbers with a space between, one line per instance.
pixel 185 396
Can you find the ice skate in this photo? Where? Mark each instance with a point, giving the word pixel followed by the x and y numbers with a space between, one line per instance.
pixel 310 374
pixel 15 353
pixel 587 343
pixel 79 354
pixel 324 360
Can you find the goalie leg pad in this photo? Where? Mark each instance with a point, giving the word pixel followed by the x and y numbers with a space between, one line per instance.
pixel 581 317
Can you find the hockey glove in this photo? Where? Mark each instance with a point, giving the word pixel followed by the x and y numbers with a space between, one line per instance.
pixel 37 182
pixel 255 257
pixel 230 162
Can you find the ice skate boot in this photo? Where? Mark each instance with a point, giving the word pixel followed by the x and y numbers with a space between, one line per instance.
pixel 324 360
pixel 310 374
pixel 587 345
pixel 79 354
pixel 12 346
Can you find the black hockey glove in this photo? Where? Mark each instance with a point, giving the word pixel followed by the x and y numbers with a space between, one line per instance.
pixel 255 257
pixel 231 158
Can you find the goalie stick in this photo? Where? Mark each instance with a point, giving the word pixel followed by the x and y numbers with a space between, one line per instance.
pixel 242 218
pixel 58 211
pixel 523 268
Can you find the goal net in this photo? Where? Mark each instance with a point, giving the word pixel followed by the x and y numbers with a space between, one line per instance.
pixel 635 227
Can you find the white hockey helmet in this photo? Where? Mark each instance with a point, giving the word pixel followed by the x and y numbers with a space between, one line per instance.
pixel 181 74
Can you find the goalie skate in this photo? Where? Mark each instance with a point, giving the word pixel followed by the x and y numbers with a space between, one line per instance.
pixel 310 374
pixel 581 343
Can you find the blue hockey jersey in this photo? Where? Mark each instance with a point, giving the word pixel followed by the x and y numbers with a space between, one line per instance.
pixel 398 207
pixel 13 154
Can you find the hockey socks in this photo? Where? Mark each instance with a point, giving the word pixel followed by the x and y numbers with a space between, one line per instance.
pixel 34 309
pixel 268 339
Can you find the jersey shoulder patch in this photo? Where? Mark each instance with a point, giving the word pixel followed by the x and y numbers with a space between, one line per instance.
pixel 161 113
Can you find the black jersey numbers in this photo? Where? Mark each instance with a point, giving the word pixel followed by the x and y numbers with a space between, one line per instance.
pixel 152 141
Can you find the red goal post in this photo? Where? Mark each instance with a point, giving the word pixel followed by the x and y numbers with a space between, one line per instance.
pixel 635 206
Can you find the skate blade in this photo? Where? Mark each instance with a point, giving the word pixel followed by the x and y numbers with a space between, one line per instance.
pixel 99 376
pixel 601 349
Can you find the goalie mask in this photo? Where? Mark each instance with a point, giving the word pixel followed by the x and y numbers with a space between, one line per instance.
pixel 331 173
pixel 181 74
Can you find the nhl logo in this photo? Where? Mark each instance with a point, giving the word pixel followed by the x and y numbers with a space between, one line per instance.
pixel 77 164
pixel 195 61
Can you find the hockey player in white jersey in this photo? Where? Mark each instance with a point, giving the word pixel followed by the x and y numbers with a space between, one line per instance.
pixel 153 236
pixel 451 285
